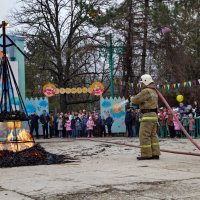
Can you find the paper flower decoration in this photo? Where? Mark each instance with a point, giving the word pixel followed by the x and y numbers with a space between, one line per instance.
pixel 97 88
pixel 49 89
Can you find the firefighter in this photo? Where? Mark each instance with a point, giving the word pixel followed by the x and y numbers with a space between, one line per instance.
pixel 147 100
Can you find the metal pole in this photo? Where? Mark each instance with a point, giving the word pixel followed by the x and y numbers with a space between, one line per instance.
pixel 4 89
pixel 111 66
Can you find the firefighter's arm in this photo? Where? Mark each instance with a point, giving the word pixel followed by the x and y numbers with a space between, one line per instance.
pixel 141 97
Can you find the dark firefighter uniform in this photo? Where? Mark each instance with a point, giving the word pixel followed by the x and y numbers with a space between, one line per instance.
pixel 147 100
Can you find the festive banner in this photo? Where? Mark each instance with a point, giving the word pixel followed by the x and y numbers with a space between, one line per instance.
pixel 96 89
pixel 165 86
pixel 36 105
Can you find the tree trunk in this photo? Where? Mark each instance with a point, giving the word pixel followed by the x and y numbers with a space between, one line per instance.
pixel 144 46
pixel 63 103
pixel 128 75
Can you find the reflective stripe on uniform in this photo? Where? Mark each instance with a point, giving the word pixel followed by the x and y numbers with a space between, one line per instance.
pixel 155 144
pixel 149 118
pixel 145 146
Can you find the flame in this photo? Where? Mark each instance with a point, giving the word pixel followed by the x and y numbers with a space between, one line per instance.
pixel 1 147
pixel 10 136
pixel 24 136
pixel 23 140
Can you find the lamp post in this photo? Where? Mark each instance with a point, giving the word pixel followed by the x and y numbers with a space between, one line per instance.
pixel 110 49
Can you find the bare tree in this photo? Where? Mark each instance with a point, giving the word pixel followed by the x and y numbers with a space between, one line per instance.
pixel 62 41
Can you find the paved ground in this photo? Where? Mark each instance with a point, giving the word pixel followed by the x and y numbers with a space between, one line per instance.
pixel 106 172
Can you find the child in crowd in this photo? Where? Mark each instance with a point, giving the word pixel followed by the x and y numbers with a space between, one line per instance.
pixel 191 126
pixel 162 122
pixel 90 127
pixel 176 125
pixel 185 122
pixel 182 114
pixel 78 126
pixel 68 127
pixel 170 125
pixel 60 126
pixel 73 126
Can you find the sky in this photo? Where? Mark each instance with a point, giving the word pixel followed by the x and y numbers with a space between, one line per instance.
pixel 5 7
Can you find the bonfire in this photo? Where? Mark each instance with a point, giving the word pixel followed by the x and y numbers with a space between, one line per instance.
pixel 17 145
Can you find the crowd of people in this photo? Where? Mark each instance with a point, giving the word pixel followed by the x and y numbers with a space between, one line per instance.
pixel 71 124
pixel 186 115
pixel 168 127
pixel 90 124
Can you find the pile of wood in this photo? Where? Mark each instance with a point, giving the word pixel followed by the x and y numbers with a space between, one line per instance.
pixel 35 155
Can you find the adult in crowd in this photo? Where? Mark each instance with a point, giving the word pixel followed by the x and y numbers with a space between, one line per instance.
pixel 97 122
pixel 56 124
pixel 84 125
pixel 181 107
pixel 128 121
pixel 64 117
pixel 60 126
pixel 51 124
pixel 109 123
pixel 44 119
pixel 103 126
pixel 133 122
pixel 34 123
pixel 189 110
pixel 196 109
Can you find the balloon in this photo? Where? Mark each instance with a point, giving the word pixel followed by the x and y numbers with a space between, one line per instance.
pixel 165 29
pixel 179 98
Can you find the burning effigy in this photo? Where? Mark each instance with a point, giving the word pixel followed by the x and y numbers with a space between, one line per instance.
pixel 15 136
pixel 17 145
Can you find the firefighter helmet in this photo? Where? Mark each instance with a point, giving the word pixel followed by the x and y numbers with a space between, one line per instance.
pixel 146 79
